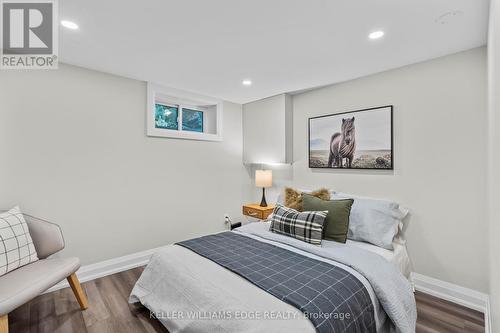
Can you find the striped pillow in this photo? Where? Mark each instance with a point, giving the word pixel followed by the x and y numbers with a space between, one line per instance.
pixel 305 226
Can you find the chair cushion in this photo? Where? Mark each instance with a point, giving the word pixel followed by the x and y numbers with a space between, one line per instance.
pixel 16 245
pixel 27 282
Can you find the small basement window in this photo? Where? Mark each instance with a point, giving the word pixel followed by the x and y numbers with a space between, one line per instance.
pixel 169 117
pixel 177 114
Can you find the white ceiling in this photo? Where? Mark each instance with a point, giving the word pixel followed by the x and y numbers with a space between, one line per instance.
pixel 210 46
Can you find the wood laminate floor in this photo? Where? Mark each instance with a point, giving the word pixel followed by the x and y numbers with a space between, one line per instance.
pixel 109 311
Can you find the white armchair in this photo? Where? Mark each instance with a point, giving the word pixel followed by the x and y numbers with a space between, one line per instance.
pixel 25 283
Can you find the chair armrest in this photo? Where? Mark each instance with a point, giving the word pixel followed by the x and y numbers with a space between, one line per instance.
pixel 47 237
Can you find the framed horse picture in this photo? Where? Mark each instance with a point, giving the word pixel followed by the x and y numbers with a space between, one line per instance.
pixel 359 139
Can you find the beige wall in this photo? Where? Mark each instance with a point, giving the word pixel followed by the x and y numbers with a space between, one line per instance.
pixel 494 159
pixel 73 150
pixel 440 110
pixel 267 130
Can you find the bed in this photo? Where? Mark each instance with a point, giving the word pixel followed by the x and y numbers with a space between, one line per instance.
pixel 189 292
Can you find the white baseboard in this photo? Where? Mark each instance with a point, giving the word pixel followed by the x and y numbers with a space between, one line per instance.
pixel 454 293
pixel 108 267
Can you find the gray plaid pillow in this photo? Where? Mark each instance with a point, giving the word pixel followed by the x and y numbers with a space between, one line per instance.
pixel 305 226
pixel 16 245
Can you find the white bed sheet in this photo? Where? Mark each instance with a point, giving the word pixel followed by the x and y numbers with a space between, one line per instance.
pixel 399 256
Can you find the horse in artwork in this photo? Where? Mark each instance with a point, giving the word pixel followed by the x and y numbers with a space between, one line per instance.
pixel 343 145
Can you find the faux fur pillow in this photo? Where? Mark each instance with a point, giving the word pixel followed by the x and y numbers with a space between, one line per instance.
pixel 293 198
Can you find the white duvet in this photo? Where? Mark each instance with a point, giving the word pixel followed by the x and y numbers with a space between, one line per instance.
pixel 189 293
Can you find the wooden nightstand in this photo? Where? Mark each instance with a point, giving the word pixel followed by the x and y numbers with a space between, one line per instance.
pixel 256 211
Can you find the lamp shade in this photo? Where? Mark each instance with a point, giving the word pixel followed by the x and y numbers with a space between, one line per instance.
pixel 263 178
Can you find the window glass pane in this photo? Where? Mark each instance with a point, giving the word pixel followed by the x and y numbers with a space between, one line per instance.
pixel 166 116
pixel 192 120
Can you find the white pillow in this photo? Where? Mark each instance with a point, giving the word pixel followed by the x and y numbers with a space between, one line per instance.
pixel 374 221
pixel 16 245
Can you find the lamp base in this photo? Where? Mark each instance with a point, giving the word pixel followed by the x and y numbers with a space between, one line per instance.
pixel 263 202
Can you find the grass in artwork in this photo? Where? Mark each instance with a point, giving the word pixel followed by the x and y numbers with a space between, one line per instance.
pixel 363 159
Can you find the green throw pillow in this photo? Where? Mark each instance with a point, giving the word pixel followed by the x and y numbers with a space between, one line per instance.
pixel 337 220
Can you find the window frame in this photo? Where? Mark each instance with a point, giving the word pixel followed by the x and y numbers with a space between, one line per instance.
pixel 157 94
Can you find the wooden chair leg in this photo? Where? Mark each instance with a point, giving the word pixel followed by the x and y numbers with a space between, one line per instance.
pixel 78 291
pixel 4 324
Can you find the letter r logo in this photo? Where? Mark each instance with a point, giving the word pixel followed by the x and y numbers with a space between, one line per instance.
pixel 27 27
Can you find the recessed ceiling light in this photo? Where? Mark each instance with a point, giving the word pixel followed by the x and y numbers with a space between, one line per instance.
pixel 376 34
pixel 69 25
pixel 246 82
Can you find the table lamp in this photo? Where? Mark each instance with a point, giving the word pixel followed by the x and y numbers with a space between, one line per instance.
pixel 263 178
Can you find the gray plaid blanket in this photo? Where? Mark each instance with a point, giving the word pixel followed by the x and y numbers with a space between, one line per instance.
pixel 333 299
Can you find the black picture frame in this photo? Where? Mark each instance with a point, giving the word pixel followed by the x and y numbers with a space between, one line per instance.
pixel 391 110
